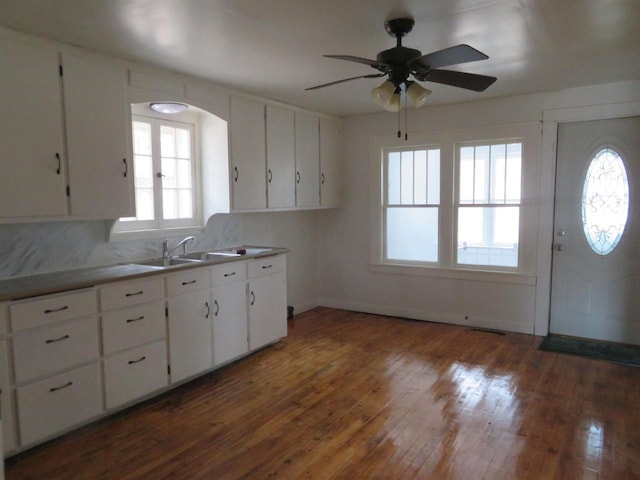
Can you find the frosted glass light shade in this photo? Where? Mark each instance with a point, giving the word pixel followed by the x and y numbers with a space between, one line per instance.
pixel 383 94
pixel 168 107
pixel 394 104
pixel 417 95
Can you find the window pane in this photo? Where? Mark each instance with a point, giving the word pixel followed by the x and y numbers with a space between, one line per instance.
pixel 143 167
pixel 185 206
pixel 420 177
pixel 184 174
pixel 406 179
pixel 169 179
pixel 393 179
pixel 169 204
pixel 497 173
pixel 167 141
pixel 514 174
pixel 466 175
pixel 433 177
pixel 144 204
pixel 481 168
pixel 141 138
pixel 488 236
pixel 412 234
pixel 183 143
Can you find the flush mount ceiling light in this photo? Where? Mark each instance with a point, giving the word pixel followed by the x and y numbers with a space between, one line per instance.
pixel 399 63
pixel 168 107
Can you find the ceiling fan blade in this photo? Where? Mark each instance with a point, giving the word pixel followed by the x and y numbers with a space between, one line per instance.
pixel 375 75
pixel 470 81
pixel 365 61
pixel 449 56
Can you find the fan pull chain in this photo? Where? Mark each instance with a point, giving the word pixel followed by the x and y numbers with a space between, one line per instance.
pixel 406 122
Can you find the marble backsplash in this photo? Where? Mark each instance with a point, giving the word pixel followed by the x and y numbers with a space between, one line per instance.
pixel 32 248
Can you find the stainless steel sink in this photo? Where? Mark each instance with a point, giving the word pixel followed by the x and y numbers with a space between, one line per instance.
pixel 169 262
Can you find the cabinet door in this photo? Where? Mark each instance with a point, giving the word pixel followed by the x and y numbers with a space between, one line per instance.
pixel 229 319
pixel 32 170
pixel 98 125
pixel 248 165
pixel 8 434
pixel 190 349
pixel 330 140
pixel 267 309
pixel 280 158
pixel 307 161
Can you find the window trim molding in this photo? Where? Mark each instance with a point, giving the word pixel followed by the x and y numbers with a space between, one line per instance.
pixel 448 140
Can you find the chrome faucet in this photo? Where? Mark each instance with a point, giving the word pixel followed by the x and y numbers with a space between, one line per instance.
pixel 166 252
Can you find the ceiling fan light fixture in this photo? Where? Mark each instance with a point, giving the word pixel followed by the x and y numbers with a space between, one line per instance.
pixel 383 94
pixel 168 107
pixel 394 104
pixel 417 94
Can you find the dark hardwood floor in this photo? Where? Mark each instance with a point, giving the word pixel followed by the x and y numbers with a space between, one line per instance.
pixel 356 396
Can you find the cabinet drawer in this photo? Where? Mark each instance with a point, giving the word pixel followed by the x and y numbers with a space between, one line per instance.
pixel 52 309
pixel 190 280
pixel 54 404
pixel 53 349
pixel 267 265
pixel 135 373
pixel 126 328
pixel 228 273
pixel 126 294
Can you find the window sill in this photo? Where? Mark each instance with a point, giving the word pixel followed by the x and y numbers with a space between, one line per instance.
pixel 493 276
pixel 152 234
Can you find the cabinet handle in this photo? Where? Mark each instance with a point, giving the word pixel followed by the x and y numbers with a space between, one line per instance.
pixel 217 307
pixel 134 294
pixel 59 163
pixel 264 267
pixel 235 178
pixel 229 274
pixel 206 304
pixel 270 176
pixel 322 176
pixel 297 177
pixel 253 297
pixel 189 283
pixel 141 317
pixel 59 339
pixel 141 359
pixel 55 389
pixel 126 167
pixel 54 310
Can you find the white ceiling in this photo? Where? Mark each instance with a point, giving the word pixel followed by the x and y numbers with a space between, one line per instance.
pixel 273 48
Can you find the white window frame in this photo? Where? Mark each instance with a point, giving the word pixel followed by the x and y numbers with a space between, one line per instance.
pixel 528 133
pixel 159 227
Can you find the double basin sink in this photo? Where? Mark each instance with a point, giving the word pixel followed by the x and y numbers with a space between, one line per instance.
pixel 204 257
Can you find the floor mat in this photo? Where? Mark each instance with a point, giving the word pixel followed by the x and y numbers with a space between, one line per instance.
pixel 613 352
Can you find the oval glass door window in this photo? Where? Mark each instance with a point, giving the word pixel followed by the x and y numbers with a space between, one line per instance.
pixel 605 201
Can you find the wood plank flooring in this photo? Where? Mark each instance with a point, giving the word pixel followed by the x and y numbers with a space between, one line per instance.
pixel 356 396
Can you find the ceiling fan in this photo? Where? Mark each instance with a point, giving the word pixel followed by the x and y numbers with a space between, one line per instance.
pixel 400 63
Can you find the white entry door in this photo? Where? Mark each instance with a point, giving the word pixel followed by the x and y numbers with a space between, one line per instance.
pixel 596 261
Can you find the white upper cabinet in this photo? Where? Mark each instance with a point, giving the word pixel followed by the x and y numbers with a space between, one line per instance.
pixel 98 124
pixel 280 158
pixel 31 134
pixel 330 147
pixel 307 160
pixel 248 165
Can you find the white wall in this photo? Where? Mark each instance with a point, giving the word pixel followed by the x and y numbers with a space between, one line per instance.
pixel 347 281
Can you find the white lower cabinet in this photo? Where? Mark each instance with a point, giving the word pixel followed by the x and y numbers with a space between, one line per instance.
pixel 57 403
pixel 267 301
pixel 8 435
pixel 135 373
pixel 229 322
pixel 190 349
